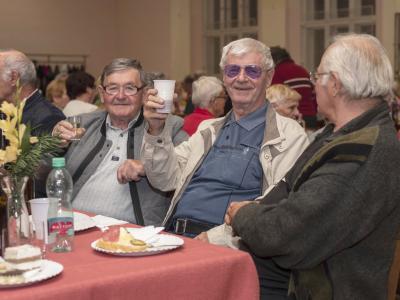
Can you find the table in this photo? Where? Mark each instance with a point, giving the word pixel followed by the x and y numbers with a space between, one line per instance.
pixel 196 271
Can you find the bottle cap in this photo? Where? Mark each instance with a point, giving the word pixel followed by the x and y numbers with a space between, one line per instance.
pixel 58 162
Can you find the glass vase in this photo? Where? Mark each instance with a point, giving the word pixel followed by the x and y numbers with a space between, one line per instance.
pixel 19 229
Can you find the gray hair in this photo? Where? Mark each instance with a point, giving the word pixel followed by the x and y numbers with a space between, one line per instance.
pixel 16 61
pixel 246 45
pixel 151 76
pixel 206 89
pixel 122 64
pixel 362 65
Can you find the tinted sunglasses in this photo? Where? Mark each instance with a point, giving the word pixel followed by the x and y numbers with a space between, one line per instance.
pixel 252 71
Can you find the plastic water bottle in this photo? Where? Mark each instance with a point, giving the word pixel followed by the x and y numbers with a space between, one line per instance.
pixel 60 225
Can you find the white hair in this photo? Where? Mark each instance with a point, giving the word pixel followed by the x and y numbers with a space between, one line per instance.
pixel 246 45
pixel 206 89
pixel 14 60
pixel 362 65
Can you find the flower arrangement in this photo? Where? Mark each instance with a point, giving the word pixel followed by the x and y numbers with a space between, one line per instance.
pixel 22 155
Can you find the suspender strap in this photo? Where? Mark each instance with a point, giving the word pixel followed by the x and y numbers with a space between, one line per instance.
pixel 132 184
pixel 91 154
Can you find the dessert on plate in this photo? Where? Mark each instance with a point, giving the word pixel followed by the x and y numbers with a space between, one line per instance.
pixel 119 239
pixel 18 261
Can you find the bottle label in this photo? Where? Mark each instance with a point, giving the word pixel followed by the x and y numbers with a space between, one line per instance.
pixel 63 226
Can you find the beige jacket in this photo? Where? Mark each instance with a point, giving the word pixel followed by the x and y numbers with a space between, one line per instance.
pixel 171 168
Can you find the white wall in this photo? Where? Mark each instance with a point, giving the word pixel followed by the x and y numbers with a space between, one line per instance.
pixel 157 32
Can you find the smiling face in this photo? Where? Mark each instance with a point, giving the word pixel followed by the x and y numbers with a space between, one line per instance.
pixel 247 94
pixel 122 108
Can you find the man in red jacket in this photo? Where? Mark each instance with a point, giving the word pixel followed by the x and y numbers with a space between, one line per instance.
pixel 298 78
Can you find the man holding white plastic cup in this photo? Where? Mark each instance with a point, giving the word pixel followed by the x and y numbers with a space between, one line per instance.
pixel 235 158
pixel 109 178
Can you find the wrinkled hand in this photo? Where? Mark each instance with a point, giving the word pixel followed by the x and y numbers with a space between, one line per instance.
pixel 155 120
pixel 130 170
pixel 233 209
pixel 66 132
pixel 202 237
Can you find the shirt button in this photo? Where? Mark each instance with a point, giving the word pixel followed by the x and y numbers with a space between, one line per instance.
pixel 266 156
pixel 117 148
pixel 121 135
pixel 159 141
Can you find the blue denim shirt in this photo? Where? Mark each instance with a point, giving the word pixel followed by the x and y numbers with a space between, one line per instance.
pixel 231 171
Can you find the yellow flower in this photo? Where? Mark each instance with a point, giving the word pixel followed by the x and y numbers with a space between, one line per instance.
pixel 21 131
pixel 9 109
pixel 9 155
pixel 33 140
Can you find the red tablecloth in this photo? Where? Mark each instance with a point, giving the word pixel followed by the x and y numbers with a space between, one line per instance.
pixel 195 271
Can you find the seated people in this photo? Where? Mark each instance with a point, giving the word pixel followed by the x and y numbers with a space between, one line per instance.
pixel 335 219
pixel 285 100
pixel 208 99
pixel 81 90
pixel 38 112
pixel 297 77
pixel 234 158
pixel 108 177
pixel 56 92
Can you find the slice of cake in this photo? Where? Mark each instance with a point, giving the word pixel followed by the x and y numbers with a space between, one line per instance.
pixel 120 240
pixel 25 257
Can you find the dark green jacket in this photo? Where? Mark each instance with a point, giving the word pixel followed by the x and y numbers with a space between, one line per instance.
pixel 336 230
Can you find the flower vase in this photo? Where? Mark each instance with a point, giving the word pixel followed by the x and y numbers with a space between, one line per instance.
pixel 19 230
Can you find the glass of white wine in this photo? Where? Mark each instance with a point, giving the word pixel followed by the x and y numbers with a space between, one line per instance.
pixel 76 121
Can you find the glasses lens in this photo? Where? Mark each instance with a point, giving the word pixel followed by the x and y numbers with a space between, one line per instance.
pixel 130 90
pixel 112 89
pixel 253 72
pixel 232 70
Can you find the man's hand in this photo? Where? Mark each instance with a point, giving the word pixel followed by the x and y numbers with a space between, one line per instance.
pixel 233 209
pixel 130 170
pixel 66 132
pixel 156 120
pixel 202 237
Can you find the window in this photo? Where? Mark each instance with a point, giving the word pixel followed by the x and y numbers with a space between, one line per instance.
pixel 322 19
pixel 397 45
pixel 226 21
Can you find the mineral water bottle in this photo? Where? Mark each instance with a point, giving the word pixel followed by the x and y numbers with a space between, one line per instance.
pixel 61 224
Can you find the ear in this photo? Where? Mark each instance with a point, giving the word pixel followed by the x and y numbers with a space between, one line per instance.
pixel 336 84
pixel 14 78
pixel 100 90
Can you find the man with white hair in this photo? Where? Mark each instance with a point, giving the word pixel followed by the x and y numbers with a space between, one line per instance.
pixel 336 216
pixel 231 159
pixel 38 112
pixel 208 99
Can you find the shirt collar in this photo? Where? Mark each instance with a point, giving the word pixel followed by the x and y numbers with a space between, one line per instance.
pixel 131 123
pixel 252 120
pixel 30 95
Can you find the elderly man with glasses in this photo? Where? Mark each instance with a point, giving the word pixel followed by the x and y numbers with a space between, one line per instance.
pixel 108 177
pixel 231 159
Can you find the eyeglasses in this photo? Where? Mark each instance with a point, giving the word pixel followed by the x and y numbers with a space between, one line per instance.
pixel 128 90
pixel 315 75
pixel 252 71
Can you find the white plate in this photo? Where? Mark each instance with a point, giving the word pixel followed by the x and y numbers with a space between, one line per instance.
pixel 164 244
pixel 49 269
pixel 82 222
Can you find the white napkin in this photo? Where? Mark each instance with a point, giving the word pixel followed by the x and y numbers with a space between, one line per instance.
pixel 151 236
pixel 103 221
pixel 145 233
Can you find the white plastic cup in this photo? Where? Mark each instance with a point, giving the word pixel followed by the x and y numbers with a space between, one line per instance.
pixel 41 209
pixel 166 89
